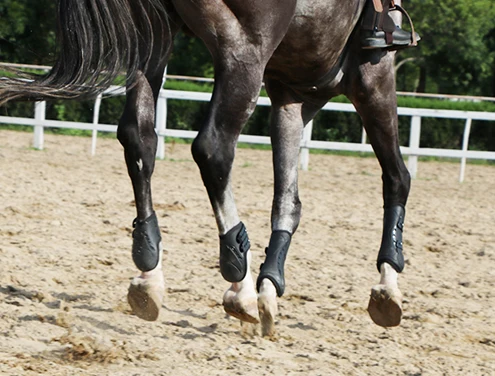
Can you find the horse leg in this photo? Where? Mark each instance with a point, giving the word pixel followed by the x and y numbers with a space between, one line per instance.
pixel 288 117
pixel 213 150
pixel 136 133
pixel 373 94
pixel 240 48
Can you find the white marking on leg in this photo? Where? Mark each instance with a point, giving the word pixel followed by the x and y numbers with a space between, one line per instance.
pixel 389 276
pixel 140 164
pixel 226 214
pixel 267 305
pixel 240 299
pixel 385 305
pixel 146 292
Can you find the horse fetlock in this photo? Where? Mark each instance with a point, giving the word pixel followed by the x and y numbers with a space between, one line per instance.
pixel 391 246
pixel 273 267
pixel 146 243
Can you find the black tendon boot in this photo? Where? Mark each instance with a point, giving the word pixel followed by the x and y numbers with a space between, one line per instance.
pixel 379 29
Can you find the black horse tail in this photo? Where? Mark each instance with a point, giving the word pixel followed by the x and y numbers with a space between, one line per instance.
pixel 98 41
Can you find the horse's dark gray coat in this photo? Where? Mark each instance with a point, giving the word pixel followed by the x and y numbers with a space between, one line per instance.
pixel 306 51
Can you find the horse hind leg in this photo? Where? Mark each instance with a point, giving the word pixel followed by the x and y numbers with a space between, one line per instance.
pixel 239 300
pixel 137 135
pixel 241 39
pixel 214 150
pixel 373 94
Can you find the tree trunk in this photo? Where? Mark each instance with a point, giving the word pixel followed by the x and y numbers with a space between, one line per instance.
pixel 421 88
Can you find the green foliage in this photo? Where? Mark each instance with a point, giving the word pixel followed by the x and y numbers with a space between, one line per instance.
pixel 27 31
pixel 445 104
pixel 190 57
pixel 188 86
pixel 456 54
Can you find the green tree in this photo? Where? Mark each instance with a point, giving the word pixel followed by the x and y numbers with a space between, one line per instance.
pixel 456 54
pixel 190 57
pixel 27 31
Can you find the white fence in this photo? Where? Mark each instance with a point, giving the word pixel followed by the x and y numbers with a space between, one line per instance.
pixel 413 151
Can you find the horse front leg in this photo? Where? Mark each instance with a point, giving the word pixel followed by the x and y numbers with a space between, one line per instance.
pixel 137 135
pixel 376 102
pixel 288 117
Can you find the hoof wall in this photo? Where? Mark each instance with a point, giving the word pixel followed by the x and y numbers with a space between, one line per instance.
pixel 249 315
pixel 144 300
pixel 385 306
pixel 268 311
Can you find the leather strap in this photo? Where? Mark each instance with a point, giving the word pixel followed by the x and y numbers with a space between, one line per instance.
pixel 377 4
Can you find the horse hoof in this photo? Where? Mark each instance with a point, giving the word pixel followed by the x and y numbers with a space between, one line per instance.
pixel 385 306
pixel 245 313
pixel 267 306
pixel 267 315
pixel 145 299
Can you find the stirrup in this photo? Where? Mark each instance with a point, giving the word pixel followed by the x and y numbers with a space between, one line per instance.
pixel 414 36
pixel 379 30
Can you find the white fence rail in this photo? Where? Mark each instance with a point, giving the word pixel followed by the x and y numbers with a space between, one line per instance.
pixel 413 151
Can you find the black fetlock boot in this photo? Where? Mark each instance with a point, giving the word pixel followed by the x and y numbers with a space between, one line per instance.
pixel 379 29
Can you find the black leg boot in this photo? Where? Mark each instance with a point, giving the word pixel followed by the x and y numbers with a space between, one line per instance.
pixel 379 29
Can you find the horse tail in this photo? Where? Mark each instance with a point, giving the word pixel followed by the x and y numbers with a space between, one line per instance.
pixel 98 40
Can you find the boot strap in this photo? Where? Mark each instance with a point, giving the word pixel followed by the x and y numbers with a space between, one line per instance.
pixel 377 4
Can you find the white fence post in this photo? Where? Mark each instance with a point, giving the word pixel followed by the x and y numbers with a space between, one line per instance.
pixel 161 124
pixel 465 142
pixel 161 119
pixel 414 136
pixel 39 118
pixel 304 154
pixel 96 117
pixel 363 136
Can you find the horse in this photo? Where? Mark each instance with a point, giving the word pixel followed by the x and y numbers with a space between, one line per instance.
pixel 305 52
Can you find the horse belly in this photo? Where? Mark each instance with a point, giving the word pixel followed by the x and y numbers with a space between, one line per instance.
pixel 319 31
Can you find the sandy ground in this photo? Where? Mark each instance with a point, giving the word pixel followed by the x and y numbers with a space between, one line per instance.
pixel 65 265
